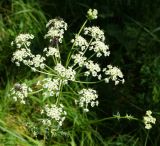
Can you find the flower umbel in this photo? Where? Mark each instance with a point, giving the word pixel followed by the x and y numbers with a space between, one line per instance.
pixel 149 120
pixel 87 96
pixel 20 92
pixel 54 114
pixel 92 14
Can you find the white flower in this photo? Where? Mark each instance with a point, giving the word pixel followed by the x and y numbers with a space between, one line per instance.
pixel 21 56
pixel 79 41
pixel 55 33
pixel 92 67
pixel 65 74
pixel 51 86
pixel 79 59
pixel 95 33
pixel 56 29
pixel 100 48
pixel 50 51
pixel 20 92
pixel 57 23
pixel 92 14
pixel 149 120
pixel 38 61
pixel 54 113
pixel 23 39
pixel 87 96
pixel 114 74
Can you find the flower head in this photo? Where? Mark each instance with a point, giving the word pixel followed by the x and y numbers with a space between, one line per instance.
pixel 99 48
pixel 149 120
pixel 114 74
pixel 56 30
pixel 95 33
pixel 92 14
pixel 54 114
pixel 87 96
pixel 65 74
pixel 20 92
pixel 23 39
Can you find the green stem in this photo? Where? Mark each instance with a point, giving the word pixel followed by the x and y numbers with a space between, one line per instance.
pixel 114 117
pixel 83 82
pixel 70 53
pixel 145 144
pixel 35 92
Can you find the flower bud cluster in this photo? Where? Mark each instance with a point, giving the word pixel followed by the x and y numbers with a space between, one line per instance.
pixel 54 115
pixel 149 120
pixel 92 14
pixel 87 96
pixel 20 92
pixel 56 29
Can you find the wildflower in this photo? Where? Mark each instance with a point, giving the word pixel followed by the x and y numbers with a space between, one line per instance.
pixel 87 96
pixel 54 114
pixel 79 41
pixel 99 48
pixel 23 40
pixel 20 92
pixel 38 61
pixel 65 74
pixel 114 74
pixel 51 51
pixel 149 120
pixel 57 23
pixel 92 67
pixel 21 56
pixel 79 59
pixel 51 86
pixel 56 29
pixel 95 33
pixel 92 14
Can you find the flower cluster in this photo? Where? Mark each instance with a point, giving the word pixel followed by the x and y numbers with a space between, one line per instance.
pixel 114 74
pixel 92 14
pixel 22 40
pixel 79 41
pixel 93 68
pixel 51 86
pixel 95 33
pixel 51 51
pixel 54 114
pixel 99 48
pixel 87 96
pixel 79 59
pixel 65 74
pixel 148 120
pixel 80 63
pixel 24 54
pixel 20 92
pixel 56 30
